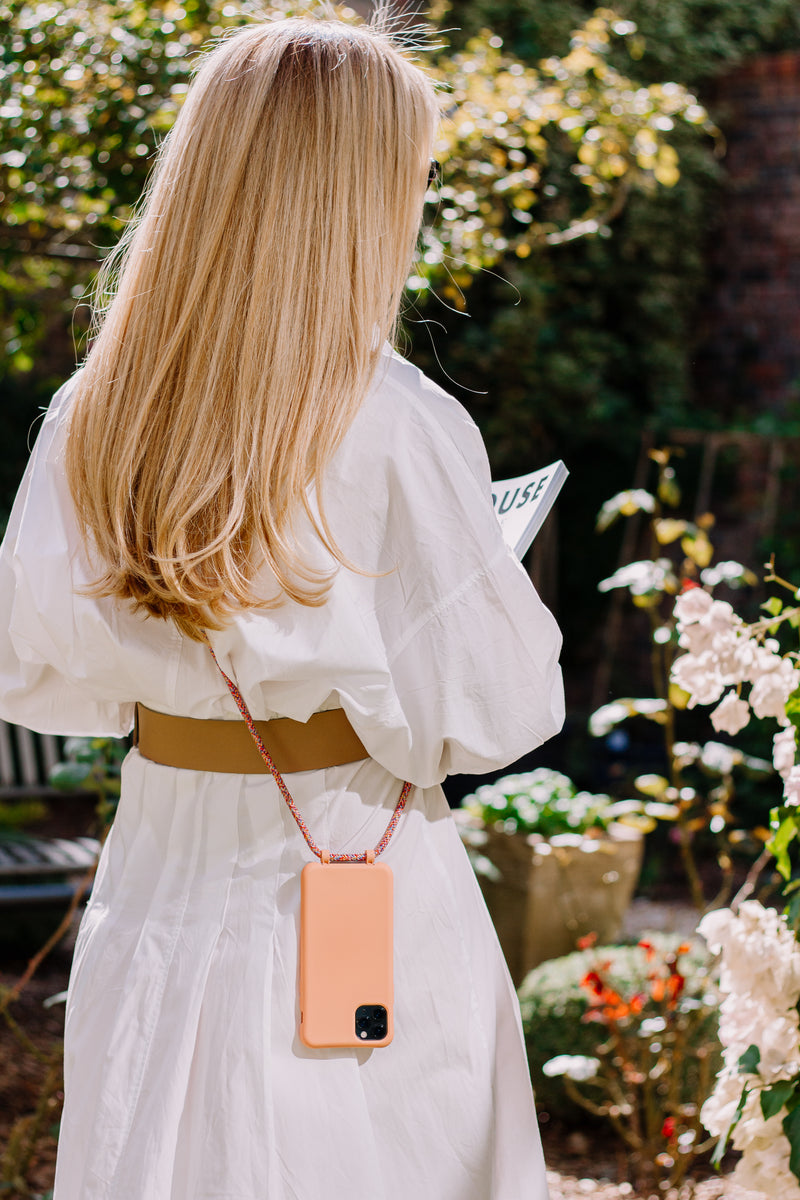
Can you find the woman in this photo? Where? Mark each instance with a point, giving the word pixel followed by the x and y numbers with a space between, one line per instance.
pixel 243 459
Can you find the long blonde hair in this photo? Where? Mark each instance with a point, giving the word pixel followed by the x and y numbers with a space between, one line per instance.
pixel 251 297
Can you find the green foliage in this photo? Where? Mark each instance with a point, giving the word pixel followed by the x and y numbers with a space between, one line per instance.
pixel 88 88
pixel 93 764
pixel 16 814
pixel 681 39
pixel 554 1009
pixel 541 801
pixel 545 154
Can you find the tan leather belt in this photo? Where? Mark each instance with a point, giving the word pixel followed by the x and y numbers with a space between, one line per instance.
pixel 326 739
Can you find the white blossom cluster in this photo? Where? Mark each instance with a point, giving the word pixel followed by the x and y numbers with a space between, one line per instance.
pixel 760 982
pixel 722 653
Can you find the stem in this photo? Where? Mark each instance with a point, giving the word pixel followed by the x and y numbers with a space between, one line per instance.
pixel 14 992
pixel 771 577
pixel 748 887
pixel 600 1110
pixel 27 1131
pixel 19 1033
pixel 726 867
pixel 689 865
pixel 764 626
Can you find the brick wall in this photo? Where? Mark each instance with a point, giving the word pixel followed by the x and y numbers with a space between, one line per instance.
pixel 750 346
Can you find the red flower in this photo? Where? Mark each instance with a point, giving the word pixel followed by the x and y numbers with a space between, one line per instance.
pixel 688 584
pixel 668 1128
pixel 587 941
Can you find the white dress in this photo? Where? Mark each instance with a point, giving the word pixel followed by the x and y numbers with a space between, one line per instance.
pixel 185 1076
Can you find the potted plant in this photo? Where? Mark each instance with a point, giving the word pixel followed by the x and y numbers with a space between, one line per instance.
pixel 554 863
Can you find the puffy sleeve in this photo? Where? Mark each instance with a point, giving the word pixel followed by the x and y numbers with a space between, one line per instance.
pixel 471 649
pixel 59 668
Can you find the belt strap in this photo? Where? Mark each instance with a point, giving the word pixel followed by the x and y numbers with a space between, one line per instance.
pixel 327 739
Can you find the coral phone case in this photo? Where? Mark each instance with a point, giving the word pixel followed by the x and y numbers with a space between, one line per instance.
pixel 346 954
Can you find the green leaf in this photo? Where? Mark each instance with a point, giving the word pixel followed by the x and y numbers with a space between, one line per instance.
pixel 779 845
pixel 792 911
pixel 70 775
pixel 791 1127
pixel 721 1146
pixel 793 708
pixel 773 606
pixel 669 492
pixel 774 1098
pixel 749 1060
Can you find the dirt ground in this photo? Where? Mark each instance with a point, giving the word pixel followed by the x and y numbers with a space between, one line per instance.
pixel 581 1164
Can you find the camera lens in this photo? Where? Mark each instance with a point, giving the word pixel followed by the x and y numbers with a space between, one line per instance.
pixel 371 1021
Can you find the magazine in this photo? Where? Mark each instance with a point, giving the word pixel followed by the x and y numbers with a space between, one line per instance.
pixel 522 503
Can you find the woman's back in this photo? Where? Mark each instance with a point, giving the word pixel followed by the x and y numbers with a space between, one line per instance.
pixel 437 618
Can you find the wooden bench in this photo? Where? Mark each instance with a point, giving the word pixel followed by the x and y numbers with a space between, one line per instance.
pixel 35 870
pixel 26 759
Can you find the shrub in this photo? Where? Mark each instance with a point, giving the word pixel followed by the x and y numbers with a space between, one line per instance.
pixel 554 1012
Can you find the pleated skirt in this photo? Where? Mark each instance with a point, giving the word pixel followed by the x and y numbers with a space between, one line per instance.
pixel 185 1078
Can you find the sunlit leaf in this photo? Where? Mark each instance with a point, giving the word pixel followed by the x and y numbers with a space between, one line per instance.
pixel 698 548
pixel 667 530
pixel 779 844
pixel 624 504
pixel 662 812
pixel 651 785
pixel 678 698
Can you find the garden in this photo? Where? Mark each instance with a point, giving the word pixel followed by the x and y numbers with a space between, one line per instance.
pixel 573 286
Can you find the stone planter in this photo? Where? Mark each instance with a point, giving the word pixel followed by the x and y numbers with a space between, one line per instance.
pixel 544 895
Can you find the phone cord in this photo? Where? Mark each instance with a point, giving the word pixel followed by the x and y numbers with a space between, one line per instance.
pixel 324 855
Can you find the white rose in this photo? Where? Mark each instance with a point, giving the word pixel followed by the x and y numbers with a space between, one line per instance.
pixel 721 616
pixel 696 638
pixel 791 789
pixel 753 1019
pixel 698 675
pixel 779 1048
pixel 731 715
pixel 720 1107
pixel 717 928
pixel 772 689
pixel 691 605
pixel 784 748
pixel 764 1165
pixel 726 645
pixel 760 964
pixel 747 651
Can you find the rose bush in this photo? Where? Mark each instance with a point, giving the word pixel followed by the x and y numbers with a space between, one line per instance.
pixel 755 1102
